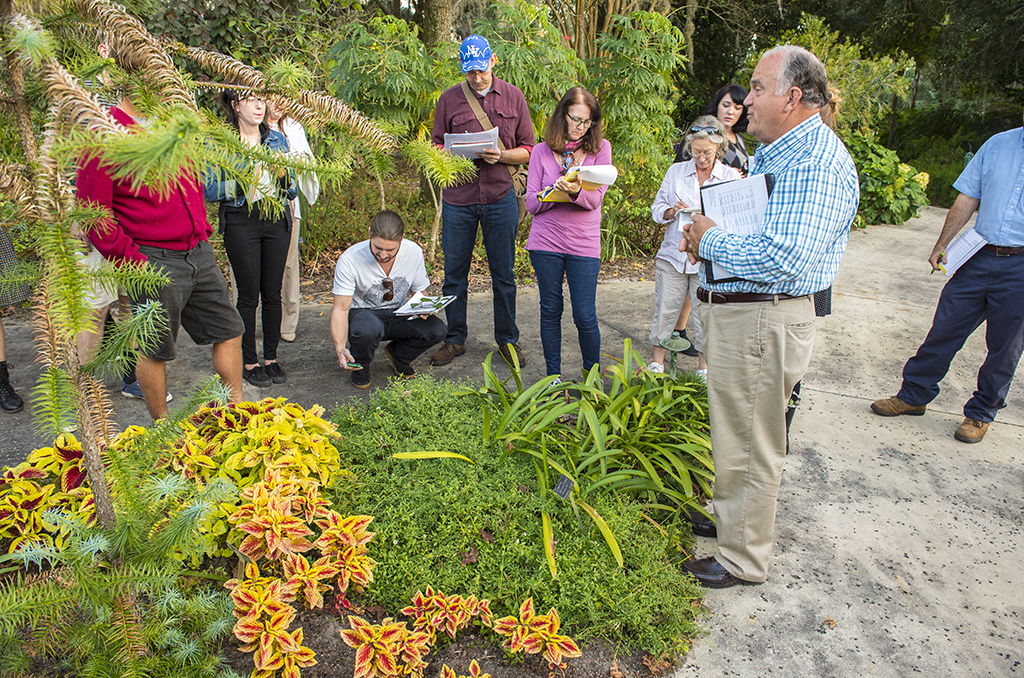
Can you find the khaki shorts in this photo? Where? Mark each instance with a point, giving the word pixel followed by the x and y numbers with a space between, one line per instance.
pixel 97 296
pixel 670 291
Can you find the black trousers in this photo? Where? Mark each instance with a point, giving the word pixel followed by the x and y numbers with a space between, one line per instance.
pixel 258 251
pixel 367 327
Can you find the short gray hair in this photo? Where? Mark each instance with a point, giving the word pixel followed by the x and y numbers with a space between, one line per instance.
pixel 803 70
pixel 706 121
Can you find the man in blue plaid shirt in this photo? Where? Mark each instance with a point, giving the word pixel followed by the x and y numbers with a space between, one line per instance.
pixel 759 330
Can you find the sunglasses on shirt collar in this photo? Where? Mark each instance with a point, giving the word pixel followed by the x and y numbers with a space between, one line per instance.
pixel 389 285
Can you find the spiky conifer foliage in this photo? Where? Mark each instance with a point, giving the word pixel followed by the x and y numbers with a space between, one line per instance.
pixel 117 602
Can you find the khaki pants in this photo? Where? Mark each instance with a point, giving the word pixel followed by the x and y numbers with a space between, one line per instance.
pixel 290 286
pixel 756 353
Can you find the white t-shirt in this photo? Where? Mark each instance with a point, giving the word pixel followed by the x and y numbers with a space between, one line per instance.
pixel 359 275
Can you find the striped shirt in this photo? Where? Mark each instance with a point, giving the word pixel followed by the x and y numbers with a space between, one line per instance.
pixel 807 224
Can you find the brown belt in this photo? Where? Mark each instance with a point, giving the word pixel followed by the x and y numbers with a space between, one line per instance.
pixel 739 297
pixel 1004 251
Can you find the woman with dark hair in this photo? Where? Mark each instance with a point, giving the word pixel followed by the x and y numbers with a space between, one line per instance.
pixel 727 106
pixel 565 239
pixel 256 224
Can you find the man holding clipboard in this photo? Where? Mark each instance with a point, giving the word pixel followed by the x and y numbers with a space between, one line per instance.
pixel 759 323
pixel 987 287
pixel 479 103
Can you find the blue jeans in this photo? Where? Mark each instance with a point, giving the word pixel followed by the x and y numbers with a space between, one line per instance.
pixel 581 272
pixel 986 288
pixel 499 222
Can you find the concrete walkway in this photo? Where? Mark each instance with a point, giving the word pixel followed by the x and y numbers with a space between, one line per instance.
pixel 906 540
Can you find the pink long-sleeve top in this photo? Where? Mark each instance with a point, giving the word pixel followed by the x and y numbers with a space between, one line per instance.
pixel 564 227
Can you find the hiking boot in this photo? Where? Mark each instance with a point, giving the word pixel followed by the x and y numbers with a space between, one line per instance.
pixel 894 407
pixel 971 431
pixel 507 354
pixel 361 378
pixel 403 370
pixel 10 401
pixel 447 353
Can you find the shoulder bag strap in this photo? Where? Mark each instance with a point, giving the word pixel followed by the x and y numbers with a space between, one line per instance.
pixel 482 118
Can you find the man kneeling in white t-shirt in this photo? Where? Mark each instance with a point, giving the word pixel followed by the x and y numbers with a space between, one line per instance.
pixel 373 279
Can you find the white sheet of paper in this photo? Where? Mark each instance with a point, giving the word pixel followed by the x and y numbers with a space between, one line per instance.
pixel 961 249
pixel 469 144
pixel 738 207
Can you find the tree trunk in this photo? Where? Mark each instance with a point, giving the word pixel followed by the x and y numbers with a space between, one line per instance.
pixel 688 30
pixel 436 21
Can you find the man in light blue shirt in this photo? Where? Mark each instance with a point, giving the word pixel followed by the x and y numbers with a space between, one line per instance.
pixel 759 329
pixel 988 287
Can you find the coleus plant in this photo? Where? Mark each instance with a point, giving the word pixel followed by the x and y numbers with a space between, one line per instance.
pixel 435 611
pixel 533 633
pixel 474 671
pixel 386 650
pixel 344 540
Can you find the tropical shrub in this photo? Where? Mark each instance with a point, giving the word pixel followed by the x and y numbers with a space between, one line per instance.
pixel 646 435
pixel 891 192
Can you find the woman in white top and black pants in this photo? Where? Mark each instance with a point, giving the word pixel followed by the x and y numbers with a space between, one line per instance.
pixel 309 186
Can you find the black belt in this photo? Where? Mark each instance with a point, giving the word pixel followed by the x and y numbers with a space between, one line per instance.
pixel 1004 251
pixel 739 297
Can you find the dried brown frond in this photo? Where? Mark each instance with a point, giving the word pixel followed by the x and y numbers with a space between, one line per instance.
pixel 71 100
pixel 309 108
pixel 355 122
pixel 61 574
pixel 126 630
pixel 225 67
pixel 44 332
pixel 99 423
pixel 139 50
pixel 16 187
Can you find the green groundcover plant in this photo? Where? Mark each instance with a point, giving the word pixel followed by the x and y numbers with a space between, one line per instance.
pixel 476 526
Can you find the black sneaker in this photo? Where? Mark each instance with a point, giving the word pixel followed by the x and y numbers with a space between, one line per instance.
pixel 692 351
pixel 257 376
pixel 361 378
pixel 403 370
pixel 276 373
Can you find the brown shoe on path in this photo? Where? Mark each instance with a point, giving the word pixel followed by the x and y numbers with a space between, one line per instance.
pixel 447 353
pixel 893 407
pixel 971 431
pixel 507 355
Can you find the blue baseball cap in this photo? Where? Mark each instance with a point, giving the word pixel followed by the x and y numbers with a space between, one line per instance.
pixel 475 54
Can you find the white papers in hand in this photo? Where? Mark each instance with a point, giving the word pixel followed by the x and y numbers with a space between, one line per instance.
pixel 961 249
pixel 737 207
pixel 419 304
pixel 602 175
pixel 469 144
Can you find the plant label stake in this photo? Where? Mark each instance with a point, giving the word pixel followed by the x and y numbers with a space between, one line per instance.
pixel 564 486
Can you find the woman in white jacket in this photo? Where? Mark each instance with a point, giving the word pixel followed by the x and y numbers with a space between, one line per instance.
pixel 309 186
pixel 676 277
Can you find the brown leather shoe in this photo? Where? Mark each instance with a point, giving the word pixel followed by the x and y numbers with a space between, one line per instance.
pixel 507 355
pixel 710 573
pixel 971 431
pixel 893 407
pixel 447 353
pixel 403 370
pixel 701 525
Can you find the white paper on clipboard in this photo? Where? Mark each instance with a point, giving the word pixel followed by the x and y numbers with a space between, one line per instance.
pixel 738 207
pixel 469 144
pixel 963 247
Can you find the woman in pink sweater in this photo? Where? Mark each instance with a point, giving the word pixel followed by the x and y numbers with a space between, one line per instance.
pixel 565 239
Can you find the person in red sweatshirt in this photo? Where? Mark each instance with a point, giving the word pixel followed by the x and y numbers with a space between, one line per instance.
pixel 170 234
